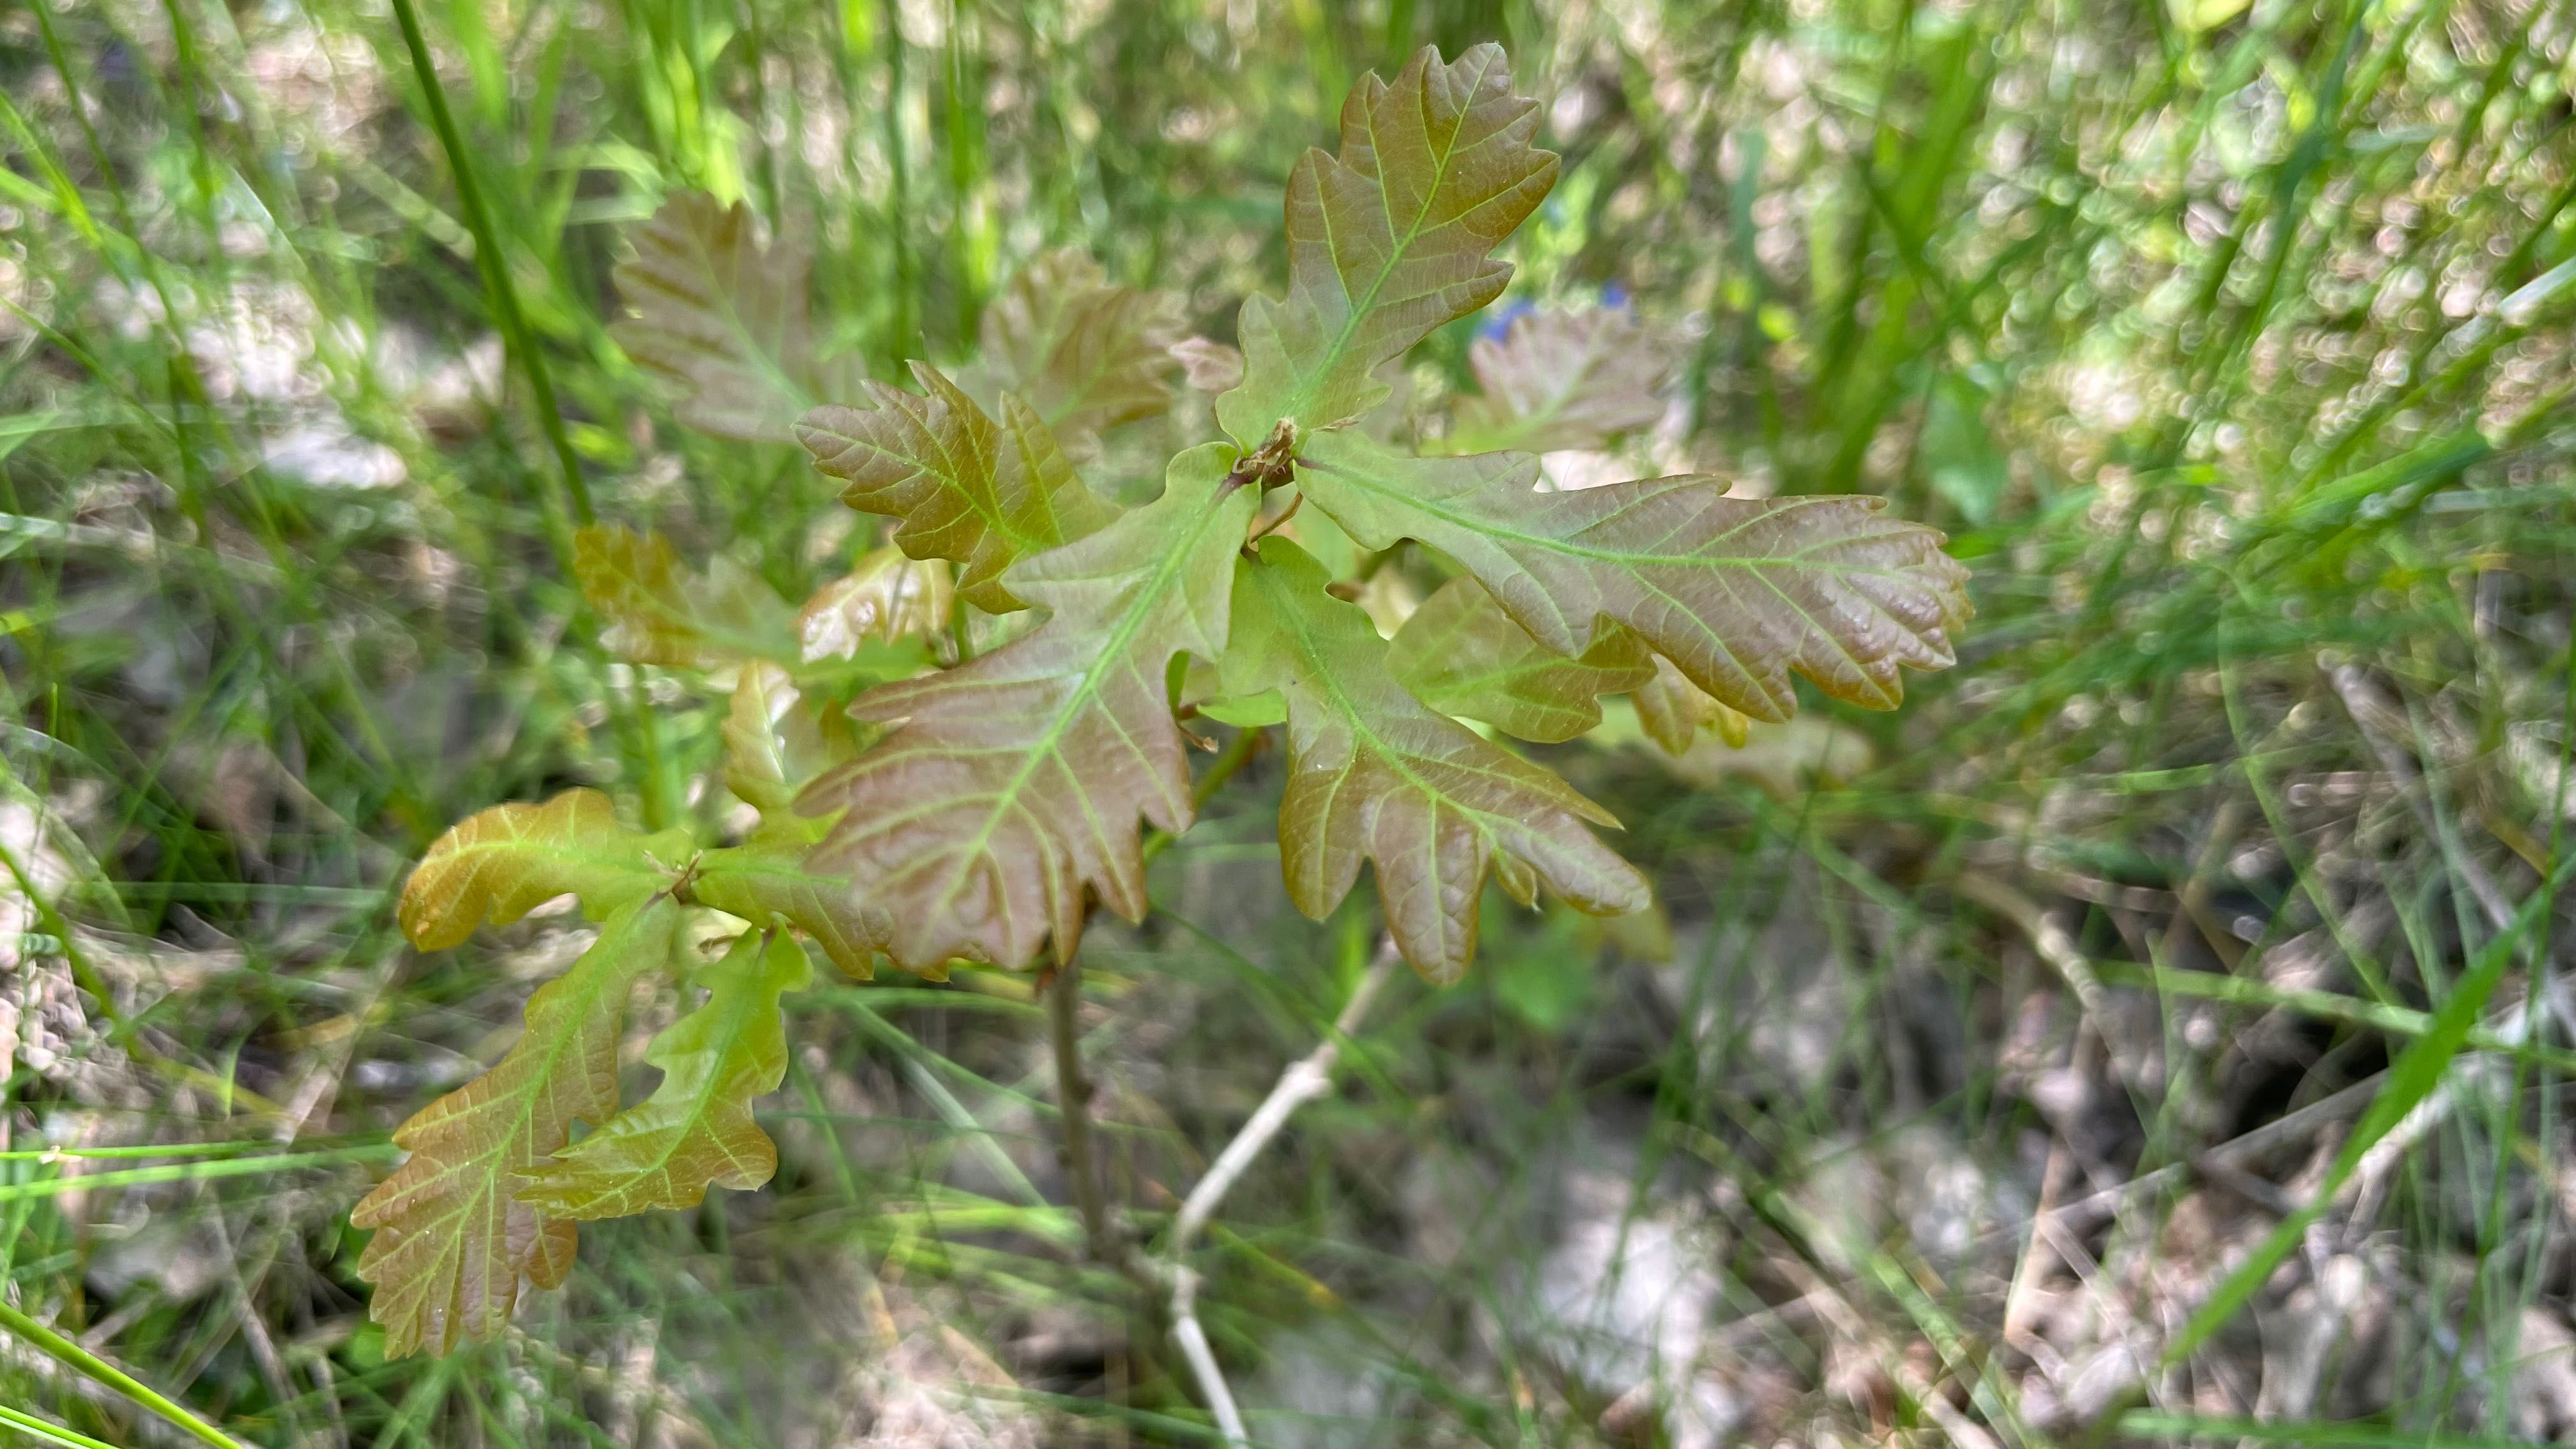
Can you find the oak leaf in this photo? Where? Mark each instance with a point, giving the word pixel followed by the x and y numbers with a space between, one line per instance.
pixel 885 596
pixel 1388 239
pixel 721 320
pixel 1739 593
pixel 770 881
pixel 1085 353
pixel 775 740
pixel 658 612
pixel 1462 655
pixel 1673 711
pixel 696 1130
pixel 1013 784
pixel 497 865
pixel 451 1242
pixel 1374 774
pixel 1558 380
pixel 968 489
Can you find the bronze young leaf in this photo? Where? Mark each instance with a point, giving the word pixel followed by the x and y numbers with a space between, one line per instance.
pixel 967 489
pixel 1083 351
pixel 1739 592
pixel 721 321
pixel 1016 782
pixel 1376 775
pixel 1390 238
pixel 981 810
pixel 1561 379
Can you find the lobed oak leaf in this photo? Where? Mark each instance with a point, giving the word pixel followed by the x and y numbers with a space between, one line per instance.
pixel 1738 592
pixel 451 1243
pixel 1013 784
pixel 696 1130
pixel 721 320
pixel 1375 775
pixel 660 613
pixel 1558 380
pixel 1086 353
pixel 497 865
pixel 968 489
pixel 1388 239
pixel 1462 655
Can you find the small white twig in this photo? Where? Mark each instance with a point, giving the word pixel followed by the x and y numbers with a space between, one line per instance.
pixel 1307 1078
pixel 1193 1340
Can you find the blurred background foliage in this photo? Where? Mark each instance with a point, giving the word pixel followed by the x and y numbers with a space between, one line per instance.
pixel 1975 1045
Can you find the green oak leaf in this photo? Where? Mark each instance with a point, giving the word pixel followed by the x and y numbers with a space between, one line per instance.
pixel 1375 775
pixel 696 1130
pixel 1388 240
pixel 1013 784
pixel 770 881
pixel 775 741
pixel 497 865
pixel 1738 592
pixel 968 489
pixel 451 1242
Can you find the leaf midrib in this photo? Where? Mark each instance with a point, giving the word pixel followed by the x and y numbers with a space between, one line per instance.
pixel 1623 558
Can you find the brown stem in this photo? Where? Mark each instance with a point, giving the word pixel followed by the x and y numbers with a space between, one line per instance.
pixel 1073 1101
